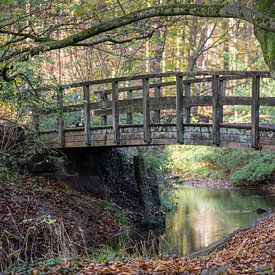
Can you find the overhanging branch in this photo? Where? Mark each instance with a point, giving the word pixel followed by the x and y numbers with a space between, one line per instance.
pixel 214 10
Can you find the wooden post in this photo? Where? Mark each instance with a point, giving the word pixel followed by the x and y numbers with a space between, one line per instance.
pixel 115 112
pixel 222 93
pixel 129 115
pixel 216 109
pixel 179 109
pixel 87 114
pixel 255 112
pixel 60 118
pixel 146 110
pixel 187 110
pixel 157 112
pixel 103 97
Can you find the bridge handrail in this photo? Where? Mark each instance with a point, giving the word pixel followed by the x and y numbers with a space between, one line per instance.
pixel 245 74
pixel 181 102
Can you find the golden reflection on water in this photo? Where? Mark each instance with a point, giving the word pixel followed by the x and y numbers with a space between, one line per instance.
pixel 206 215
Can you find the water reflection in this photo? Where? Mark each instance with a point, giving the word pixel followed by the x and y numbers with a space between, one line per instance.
pixel 206 215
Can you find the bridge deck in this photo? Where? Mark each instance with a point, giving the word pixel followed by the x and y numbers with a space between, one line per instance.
pixel 233 136
pixel 146 96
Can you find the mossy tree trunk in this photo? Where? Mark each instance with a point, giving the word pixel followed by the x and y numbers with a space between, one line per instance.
pixel 266 38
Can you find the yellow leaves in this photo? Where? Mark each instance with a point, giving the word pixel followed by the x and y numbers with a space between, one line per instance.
pixel 161 267
pixel 248 252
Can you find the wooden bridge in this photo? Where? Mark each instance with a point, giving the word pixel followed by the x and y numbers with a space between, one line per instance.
pixel 119 100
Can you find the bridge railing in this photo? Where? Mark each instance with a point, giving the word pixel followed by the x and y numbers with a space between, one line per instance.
pixel 143 94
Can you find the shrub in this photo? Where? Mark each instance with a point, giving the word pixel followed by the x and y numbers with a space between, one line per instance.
pixel 259 170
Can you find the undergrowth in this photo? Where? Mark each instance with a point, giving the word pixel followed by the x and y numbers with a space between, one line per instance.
pixel 242 167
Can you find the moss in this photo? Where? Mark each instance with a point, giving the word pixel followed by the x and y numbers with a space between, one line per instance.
pixel 266 39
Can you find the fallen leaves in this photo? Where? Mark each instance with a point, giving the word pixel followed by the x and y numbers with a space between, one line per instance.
pixel 248 252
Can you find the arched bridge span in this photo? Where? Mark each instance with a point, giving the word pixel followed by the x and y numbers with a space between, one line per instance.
pixel 159 109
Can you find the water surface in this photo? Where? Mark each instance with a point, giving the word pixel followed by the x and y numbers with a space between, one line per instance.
pixel 205 215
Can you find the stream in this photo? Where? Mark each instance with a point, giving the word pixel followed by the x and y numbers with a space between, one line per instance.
pixel 206 215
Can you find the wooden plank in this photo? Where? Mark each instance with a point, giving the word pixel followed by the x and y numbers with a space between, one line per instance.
pixel 115 112
pixel 255 112
pixel 216 109
pixel 87 115
pixel 103 98
pixel 235 100
pixel 179 109
pixel 157 111
pixel 130 114
pixel 265 74
pixel 60 96
pixel 267 101
pixel 146 110
pixel 232 144
pixel 187 110
pixel 222 89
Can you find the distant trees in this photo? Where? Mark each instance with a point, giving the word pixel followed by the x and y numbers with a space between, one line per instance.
pixel 31 29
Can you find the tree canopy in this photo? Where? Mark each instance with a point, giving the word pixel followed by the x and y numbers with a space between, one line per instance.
pixel 32 28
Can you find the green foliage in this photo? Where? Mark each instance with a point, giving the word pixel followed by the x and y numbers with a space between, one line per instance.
pixel 266 39
pixel 156 160
pixel 111 207
pixel 257 171
pixel 241 166
pixel 107 254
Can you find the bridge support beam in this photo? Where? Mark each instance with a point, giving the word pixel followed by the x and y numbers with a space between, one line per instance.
pixel 129 115
pixel 115 112
pixel 255 112
pixel 146 111
pixel 103 97
pixel 60 95
pixel 217 109
pixel 179 109
pixel 157 112
pixel 87 114
pixel 187 110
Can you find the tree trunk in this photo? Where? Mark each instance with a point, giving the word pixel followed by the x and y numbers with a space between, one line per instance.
pixel 266 38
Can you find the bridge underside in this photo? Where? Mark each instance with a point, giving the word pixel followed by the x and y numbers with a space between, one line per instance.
pixel 233 136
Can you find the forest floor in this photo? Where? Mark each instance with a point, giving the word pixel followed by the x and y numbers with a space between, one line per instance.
pixel 249 251
pixel 40 213
pixel 41 218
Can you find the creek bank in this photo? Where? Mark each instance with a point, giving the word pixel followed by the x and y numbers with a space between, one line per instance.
pixel 207 183
pixel 117 174
pixel 95 199
pixel 43 218
pixel 249 251
pixel 264 187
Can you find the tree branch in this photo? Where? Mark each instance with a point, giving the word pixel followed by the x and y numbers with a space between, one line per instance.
pixel 114 41
pixel 215 10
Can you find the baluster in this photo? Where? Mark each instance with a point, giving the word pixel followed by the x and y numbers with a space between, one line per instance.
pixel 115 112
pixel 129 115
pixel 103 97
pixel 179 109
pixel 87 114
pixel 255 112
pixel 187 110
pixel 157 112
pixel 60 98
pixel 146 110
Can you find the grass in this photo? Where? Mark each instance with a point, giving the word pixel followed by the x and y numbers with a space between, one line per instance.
pixel 242 167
